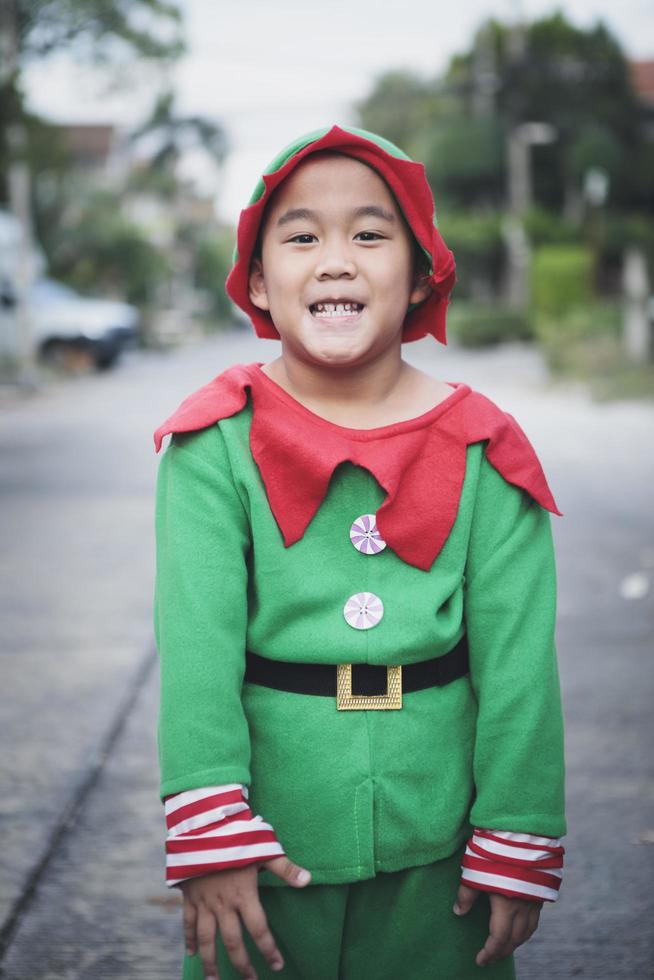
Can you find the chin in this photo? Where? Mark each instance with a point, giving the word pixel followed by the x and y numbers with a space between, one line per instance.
pixel 336 354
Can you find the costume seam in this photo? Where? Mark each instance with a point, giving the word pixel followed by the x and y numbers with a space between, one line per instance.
pixel 425 857
pixel 202 774
pixel 231 473
pixel 525 499
pixel 450 847
pixel 206 466
pixel 357 867
pixel 341 870
pixel 361 435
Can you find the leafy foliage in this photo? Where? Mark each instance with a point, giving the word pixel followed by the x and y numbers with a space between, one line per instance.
pixel 213 261
pixel 549 71
pixel 574 79
pixel 175 134
pixel 45 26
pixel 562 278
pixel 475 238
pixel 474 325
pixel 99 248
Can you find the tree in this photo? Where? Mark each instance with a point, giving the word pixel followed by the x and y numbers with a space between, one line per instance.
pixel 103 250
pixel 100 27
pixel 550 71
pixel 106 32
pixel 174 134
pixel 576 80
pixel 399 107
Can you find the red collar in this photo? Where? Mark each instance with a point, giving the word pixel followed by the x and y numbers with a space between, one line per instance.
pixel 417 462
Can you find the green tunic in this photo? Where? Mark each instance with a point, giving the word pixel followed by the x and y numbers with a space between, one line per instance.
pixel 351 793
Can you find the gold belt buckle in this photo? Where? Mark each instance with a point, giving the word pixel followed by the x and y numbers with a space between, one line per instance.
pixel 346 701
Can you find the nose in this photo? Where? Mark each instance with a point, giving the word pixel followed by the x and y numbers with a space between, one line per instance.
pixel 335 262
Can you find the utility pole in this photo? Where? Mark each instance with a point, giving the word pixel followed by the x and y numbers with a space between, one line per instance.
pixel 520 139
pixel 521 136
pixel 518 190
pixel 484 73
pixel 635 323
pixel 19 198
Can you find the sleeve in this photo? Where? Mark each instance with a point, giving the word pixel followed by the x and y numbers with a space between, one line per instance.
pixel 211 829
pixel 200 615
pixel 200 624
pixel 510 612
pixel 516 865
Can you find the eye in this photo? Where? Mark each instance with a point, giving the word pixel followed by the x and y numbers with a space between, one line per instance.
pixel 371 236
pixel 296 238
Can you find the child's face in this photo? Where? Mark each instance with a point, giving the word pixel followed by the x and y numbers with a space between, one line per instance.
pixel 318 247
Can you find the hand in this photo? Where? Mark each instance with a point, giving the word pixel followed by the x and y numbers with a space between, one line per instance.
pixel 512 922
pixel 216 900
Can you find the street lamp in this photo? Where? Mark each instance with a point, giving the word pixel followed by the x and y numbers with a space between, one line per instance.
pixel 596 186
pixel 521 138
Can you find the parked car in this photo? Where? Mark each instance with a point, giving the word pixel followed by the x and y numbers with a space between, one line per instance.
pixel 68 328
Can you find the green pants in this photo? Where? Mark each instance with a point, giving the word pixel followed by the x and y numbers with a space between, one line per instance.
pixel 392 926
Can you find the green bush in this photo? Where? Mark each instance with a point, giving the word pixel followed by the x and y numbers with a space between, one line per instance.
pixel 622 230
pixel 545 227
pixel 580 340
pixel 462 148
pixel 476 241
pixel 98 249
pixel 586 344
pixel 481 326
pixel 213 261
pixel 561 279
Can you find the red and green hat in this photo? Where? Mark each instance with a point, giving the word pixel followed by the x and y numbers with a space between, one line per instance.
pixel 407 181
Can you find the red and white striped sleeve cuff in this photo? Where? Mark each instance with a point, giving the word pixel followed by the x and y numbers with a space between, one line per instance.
pixel 517 865
pixel 211 829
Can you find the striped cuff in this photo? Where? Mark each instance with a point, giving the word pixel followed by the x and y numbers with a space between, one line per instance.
pixel 211 829
pixel 517 865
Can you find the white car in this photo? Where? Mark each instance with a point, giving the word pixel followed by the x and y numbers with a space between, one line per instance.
pixel 66 325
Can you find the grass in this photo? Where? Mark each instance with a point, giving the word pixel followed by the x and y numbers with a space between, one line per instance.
pixel 586 345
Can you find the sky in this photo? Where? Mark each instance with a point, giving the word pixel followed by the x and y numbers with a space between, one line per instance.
pixel 270 71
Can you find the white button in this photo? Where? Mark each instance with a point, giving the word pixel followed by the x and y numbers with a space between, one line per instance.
pixel 365 537
pixel 363 610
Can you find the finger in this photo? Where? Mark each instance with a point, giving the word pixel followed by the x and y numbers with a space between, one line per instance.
pixel 521 929
pixel 254 919
pixel 232 937
pixel 189 922
pixel 206 933
pixel 498 945
pixel 525 923
pixel 465 899
pixel 534 916
pixel 493 951
pixel 292 873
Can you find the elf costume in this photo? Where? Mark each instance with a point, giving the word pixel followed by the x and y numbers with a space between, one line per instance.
pixel 356 638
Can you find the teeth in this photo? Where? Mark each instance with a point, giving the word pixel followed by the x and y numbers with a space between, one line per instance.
pixel 336 309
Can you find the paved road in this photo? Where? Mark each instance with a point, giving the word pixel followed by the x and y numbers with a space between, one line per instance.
pixel 81 891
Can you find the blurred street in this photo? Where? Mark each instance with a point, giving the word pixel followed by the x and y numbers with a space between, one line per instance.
pixel 81 867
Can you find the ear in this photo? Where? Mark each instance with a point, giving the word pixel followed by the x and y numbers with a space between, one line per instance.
pixel 421 289
pixel 257 286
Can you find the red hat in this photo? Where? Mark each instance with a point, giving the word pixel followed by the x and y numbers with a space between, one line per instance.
pixel 408 183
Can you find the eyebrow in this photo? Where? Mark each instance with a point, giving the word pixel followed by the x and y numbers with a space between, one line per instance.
pixel 365 211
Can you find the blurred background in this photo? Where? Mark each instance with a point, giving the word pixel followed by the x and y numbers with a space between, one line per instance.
pixel 131 136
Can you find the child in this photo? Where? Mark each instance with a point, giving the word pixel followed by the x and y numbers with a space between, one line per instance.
pixel 354 611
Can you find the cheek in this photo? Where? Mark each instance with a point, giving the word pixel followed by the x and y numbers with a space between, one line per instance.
pixel 392 270
pixel 288 285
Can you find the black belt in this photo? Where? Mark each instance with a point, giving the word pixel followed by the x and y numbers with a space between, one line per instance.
pixel 367 679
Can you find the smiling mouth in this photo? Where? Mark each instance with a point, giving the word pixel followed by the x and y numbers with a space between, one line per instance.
pixel 329 311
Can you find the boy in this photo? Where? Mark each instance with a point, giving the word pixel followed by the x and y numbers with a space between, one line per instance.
pixel 354 611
